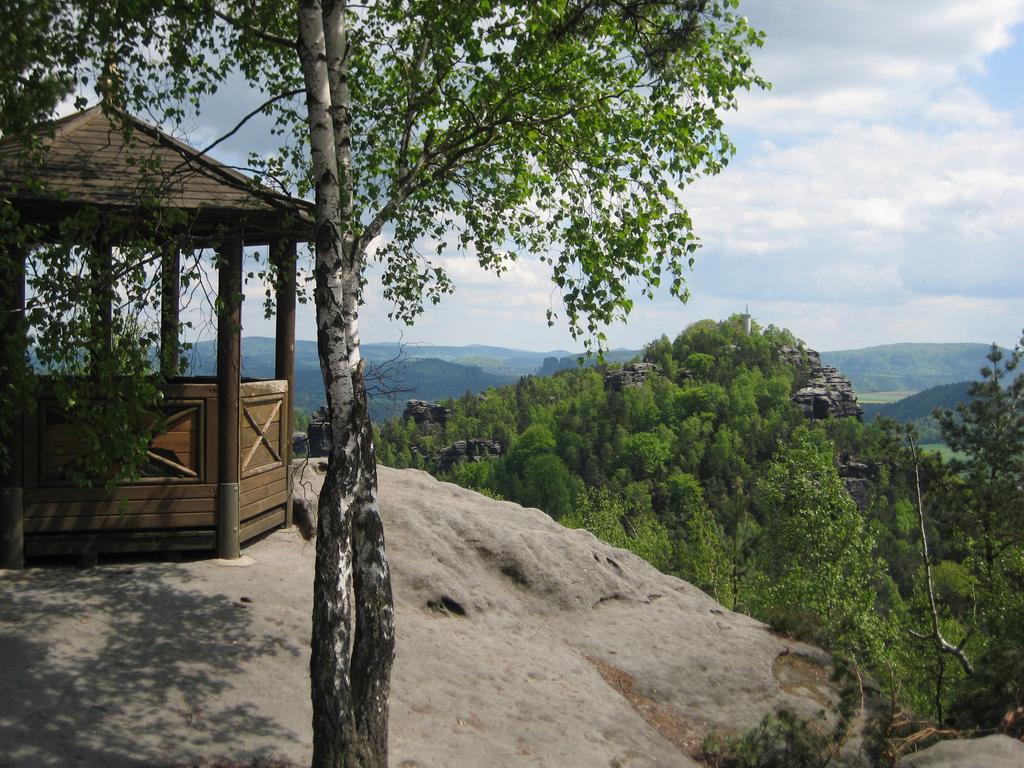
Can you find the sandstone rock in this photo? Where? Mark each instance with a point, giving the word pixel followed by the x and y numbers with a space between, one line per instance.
pixel 630 375
pixel 471 449
pixel 518 637
pixel 826 392
pixel 319 435
pixel 995 751
pixel 429 417
pixel 798 358
pixel 859 490
pixel 790 356
pixel 850 467
pixel 519 642
pixel 857 477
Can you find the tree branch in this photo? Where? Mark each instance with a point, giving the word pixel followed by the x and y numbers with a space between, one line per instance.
pixel 410 108
pixel 250 116
pixel 941 643
pixel 262 34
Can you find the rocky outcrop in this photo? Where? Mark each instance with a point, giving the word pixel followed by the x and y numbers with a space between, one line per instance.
pixel 600 659
pixel 319 437
pixel 996 751
pixel 630 375
pixel 471 449
pixel 857 477
pixel 799 358
pixel 429 417
pixel 519 643
pixel 825 392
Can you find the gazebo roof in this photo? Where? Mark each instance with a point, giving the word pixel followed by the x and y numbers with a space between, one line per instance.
pixel 90 160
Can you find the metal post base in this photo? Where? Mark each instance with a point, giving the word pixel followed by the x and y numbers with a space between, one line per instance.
pixel 227 521
pixel 12 528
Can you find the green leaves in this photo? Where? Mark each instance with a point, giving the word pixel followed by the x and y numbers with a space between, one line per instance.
pixel 561 129
pixel 818 554
pixel 558 129
pixel 604 515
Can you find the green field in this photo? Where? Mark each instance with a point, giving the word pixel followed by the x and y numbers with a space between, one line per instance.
pixel 942 449
pixel 878 398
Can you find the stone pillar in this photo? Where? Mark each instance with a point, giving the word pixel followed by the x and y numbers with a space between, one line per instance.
pixel 12 511
pixel 283 253
pixel 229 377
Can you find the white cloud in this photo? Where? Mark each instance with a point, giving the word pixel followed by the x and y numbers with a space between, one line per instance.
pixel 877 197
pixel 874 190
pixel 819 49
pixel 960 107
pixel 865 194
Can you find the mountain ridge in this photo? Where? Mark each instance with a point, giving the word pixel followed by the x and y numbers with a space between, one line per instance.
pixel 909 366
pixel 439 372
pixel 398 372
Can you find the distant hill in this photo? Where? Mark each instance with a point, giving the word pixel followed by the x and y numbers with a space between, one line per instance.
pixel 497 360
pixel 424 379
pixel 908 366
pixel 501 361
pixel 423 372
pixel 923 403
pixel 554 364
pixel 917 409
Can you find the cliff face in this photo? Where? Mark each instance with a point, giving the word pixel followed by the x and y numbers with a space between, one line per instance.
pixel 826 392
pixel 429 417
pixel 471 449
pixel 631 375
pixel 521 642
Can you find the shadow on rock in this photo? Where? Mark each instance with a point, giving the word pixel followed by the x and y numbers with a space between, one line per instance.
pixel 124 666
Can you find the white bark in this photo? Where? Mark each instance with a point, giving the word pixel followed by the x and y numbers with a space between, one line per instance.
pixel 353 616
pixel 336 27
pixel 942 645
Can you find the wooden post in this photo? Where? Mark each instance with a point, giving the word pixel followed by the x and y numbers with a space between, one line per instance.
pixel 12 510
pixel 170 288
pixel 101 263
pixel 229 376
pixel 283 254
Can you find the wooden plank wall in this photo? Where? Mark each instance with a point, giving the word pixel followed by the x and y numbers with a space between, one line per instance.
pixel 264 485
pixel 173 506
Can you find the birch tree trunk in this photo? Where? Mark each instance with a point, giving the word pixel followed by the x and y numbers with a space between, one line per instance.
pixel 353 614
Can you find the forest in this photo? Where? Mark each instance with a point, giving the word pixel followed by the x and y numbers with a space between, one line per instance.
pixel 710 472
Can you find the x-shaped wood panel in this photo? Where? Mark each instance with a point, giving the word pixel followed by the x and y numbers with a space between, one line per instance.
pixel 173 419
pixel 261 432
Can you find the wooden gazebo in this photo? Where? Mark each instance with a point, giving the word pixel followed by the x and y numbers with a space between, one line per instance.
pixel 218 473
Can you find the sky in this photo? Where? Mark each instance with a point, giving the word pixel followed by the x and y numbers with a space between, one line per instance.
pixel 877 194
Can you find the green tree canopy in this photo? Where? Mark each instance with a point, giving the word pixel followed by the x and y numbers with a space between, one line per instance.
pixel 818 554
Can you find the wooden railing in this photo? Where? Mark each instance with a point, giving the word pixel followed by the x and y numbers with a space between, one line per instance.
pixel 173 504
pixel 263 491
